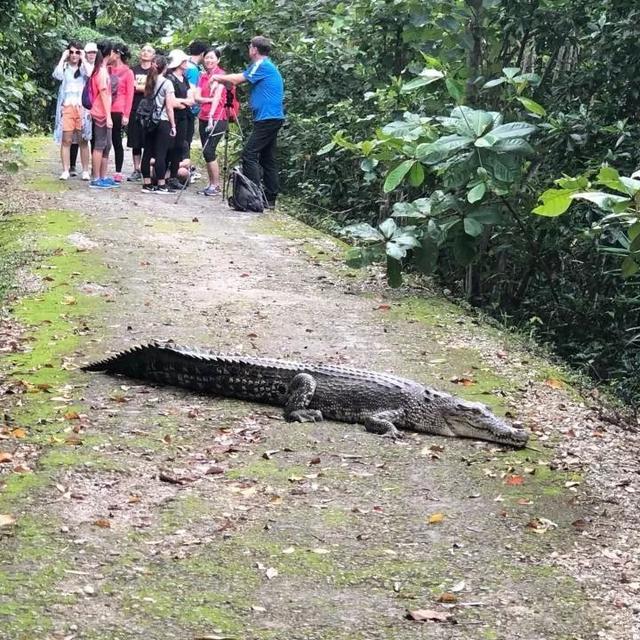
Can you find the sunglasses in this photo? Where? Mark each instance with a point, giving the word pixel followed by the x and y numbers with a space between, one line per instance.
pixel 74 51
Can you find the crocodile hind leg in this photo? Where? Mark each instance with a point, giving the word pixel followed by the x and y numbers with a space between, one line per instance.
pixel 382 423
pixel 299 396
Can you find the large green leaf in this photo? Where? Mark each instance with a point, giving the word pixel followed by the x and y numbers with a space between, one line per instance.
pixel 514 145
pixel 506 131
pixel 504 167
pixel 605 201
pixel 455 88
pixel 629 267
pixel 488 214
pixel 416 175
pixel 427 76
pixel 474 123
pixel 327 147
pixel 388 228
pixel 434 152
pixel 472 227
pixel 362 231
pixel 396 176
pixel 554 202
pixel 532 106
pixel 477 192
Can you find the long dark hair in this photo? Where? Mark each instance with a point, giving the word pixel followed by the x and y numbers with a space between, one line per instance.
pixel 123 50
pixel 157 67
pixel 105 47
pixel 74 44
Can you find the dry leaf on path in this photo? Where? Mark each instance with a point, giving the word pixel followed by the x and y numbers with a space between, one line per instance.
pixel 513 480
pixel 423 615
pixel 6 520
pixel 5 456
pixel 103 523
pixel 435 518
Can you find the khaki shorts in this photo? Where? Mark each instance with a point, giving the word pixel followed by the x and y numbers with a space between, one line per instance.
pixel 71 117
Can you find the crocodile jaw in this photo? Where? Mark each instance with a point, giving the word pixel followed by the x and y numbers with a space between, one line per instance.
pixel 475 420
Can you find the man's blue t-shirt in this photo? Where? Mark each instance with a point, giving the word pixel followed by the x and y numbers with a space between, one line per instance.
pixel 192 74
pixel 267 90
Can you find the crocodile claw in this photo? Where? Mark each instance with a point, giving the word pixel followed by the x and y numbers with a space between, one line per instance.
pixel 304 415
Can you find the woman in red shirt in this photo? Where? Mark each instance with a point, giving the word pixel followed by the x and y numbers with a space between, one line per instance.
pixel 122 88
pixel 212 118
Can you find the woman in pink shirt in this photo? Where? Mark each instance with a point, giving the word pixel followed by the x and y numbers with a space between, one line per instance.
pixel 212 118
pixel 122 89
pixel 101 116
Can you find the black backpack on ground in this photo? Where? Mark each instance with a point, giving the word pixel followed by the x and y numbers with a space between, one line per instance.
pixel 245 195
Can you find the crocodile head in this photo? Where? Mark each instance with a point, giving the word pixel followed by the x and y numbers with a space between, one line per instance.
pixel 475 420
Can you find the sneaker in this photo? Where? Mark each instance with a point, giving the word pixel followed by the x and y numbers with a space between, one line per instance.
pixel 111 182
pixel 86 176
pixel 100 183
pixel 209 191
pixel 164 188
pixel 72 172
pixel 118 177
pixel 174 183
pixel 149 188
pixel 64 175
pixel 135 176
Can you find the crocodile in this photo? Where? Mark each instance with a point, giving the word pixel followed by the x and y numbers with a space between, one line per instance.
pixel 382 402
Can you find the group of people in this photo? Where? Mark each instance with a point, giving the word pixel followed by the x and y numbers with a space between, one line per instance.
pixel 100 96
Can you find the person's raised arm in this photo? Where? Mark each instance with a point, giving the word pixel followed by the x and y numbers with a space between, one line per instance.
pixel 233 78
pixel 58 72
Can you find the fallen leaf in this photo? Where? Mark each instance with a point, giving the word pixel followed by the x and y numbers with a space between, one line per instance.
pixel 6 520
pixel 103 523
pixel 448 598
pixel 69 300
pixel 72 415
pixel 22 468
pixel 464 381
pixel 288 550
pixel 523 502
pixel 132 499
pixel 554 383
pixel 513 480
pixel 271 573
pixel 435 518
pixel 579 524
pixel 422 615
pixel 383 307
pixel 5 456
pixel 18 433
pixel 320 551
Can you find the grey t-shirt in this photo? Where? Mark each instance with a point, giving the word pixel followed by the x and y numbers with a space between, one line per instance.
pixel 164 87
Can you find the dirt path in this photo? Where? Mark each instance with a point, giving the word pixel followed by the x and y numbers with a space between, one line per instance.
pixel 156 514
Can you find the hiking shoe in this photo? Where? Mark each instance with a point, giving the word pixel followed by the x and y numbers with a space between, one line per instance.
pixel 163 189
pixel 135 176
pixel 174 183
pixel 111 182
pixel 64 175
pixel 118 177
pixel 210 191
pixel 72 172
pixel 86 176
pixel 100 183
pixel 149 188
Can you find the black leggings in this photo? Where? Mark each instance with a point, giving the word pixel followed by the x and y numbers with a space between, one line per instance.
pixel 116 139
pixel 73 155
pixel 178 152
pixel 210 139
pixel 157 145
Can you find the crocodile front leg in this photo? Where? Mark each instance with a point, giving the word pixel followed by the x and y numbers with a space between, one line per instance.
pixel 383 423
pixel 299 396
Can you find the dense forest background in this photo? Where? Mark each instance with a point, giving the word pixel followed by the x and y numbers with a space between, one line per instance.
pixel 488 143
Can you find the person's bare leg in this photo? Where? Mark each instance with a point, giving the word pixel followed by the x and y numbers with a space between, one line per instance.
pixel 84 154
pixel 65 150
pixel 104 162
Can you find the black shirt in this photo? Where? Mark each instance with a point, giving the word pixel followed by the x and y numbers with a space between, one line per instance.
pixel 182 90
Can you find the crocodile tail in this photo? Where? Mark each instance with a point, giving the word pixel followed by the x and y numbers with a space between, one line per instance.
pixel 132 362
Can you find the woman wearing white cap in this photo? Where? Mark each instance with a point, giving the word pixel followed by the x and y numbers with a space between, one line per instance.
pixel 183 100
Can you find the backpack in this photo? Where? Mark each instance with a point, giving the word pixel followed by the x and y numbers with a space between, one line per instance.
pixel 234 110
pixel 245 194
pixel 87 94
pixel 147 113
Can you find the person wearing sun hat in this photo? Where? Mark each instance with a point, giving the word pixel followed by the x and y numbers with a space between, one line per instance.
pixel 183 101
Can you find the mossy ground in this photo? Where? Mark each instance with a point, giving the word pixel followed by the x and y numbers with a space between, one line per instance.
pixel 156 513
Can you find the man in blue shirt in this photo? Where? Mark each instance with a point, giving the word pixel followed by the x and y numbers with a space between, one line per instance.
pixel 266 100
